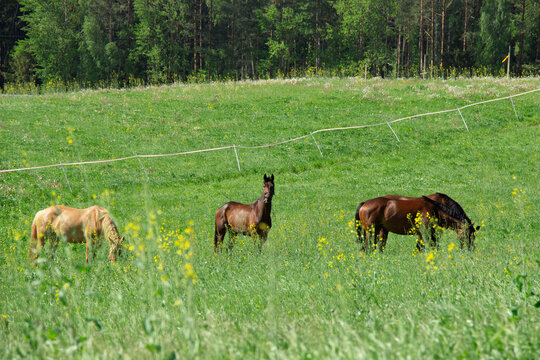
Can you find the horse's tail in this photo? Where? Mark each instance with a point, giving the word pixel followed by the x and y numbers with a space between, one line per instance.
pixel 357 223
pixel 34 240
pixel 220 226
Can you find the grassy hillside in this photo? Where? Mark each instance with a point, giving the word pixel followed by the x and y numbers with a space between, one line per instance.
pixel 311 292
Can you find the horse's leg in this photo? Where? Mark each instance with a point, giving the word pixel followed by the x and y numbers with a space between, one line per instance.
pixel 376 232
pixel 35 247
pixel 367 240
pixel 232 234
pixel 87 249
pixel 433 237
pixel 470 242
pixel 262 239
pixel 371 236
pixel 95 244
pixel 461 239
pixel 420 242
pixel 54 240
pixel 88 241
pixel 90 238
pixel 383 235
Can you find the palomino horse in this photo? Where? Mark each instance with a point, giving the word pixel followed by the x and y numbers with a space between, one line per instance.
pixel 248 219
pixel 397 214
pixel 75 226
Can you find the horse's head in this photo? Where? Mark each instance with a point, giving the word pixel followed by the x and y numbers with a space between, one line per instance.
pixel 116 249
pixel 470 233
pixel 268 188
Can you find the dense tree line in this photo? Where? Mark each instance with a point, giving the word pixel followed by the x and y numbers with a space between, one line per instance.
pixel 89 41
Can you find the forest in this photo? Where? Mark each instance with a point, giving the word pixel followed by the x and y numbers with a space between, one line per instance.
pixel 124 42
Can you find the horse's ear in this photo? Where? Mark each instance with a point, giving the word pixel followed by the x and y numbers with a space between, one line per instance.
pixel 272 177
pixel 477 228
pixel 265 177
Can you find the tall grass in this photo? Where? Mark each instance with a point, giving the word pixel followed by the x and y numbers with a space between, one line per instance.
pixel 311 292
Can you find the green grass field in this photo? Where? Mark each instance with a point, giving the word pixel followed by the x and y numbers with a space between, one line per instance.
pixel 311 292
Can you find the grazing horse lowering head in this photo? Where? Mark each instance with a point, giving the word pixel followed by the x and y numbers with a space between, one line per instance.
pixel 377 217
pixel 470 234
pixel 111 233
pixel 464 226
pixel 88 226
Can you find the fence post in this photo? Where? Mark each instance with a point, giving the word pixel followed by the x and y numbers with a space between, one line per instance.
pixel 317 144
pixel 513 107
pixel 459 111
pixel 387 123
pixel 65 175
pixel 237 161
pixel 145 173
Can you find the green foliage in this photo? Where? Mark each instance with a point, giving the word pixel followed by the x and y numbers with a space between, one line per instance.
pixel 311 292
pixel 112 42
pixel 160 37
pixel 495 33
pixel 53 30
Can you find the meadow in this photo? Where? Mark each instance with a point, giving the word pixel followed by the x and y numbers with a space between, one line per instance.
pixel 311 292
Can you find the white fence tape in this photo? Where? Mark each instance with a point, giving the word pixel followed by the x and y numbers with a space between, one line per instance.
pixel 235 147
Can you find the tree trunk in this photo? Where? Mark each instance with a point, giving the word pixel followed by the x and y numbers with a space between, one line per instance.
pixel 421 33
pixel 252 61
pixel 404 64
pixel 195 27
pixel 432 36
pixel 443 13
pixel 521 37
pixel 398 51
pixel 445 5
pixel 538 40
pixel 200 36
pixel 465 20
pixel 317 37
pixel 110 29
pixel 405 39
pixel 209 38
pixel 233 43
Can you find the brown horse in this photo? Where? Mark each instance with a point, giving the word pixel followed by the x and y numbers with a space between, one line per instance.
pixel 75 226
pixel 393 213
pixel 442 198
pixel 248 219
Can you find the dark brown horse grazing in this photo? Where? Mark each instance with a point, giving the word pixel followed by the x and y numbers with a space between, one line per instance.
pixel 392 213
pixel 249 219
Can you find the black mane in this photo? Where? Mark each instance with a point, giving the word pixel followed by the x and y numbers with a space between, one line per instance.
pixel 453 208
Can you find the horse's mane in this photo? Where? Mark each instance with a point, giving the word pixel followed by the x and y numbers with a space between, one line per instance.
pixel 452 204
pixel 453 208
pixel 109 227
